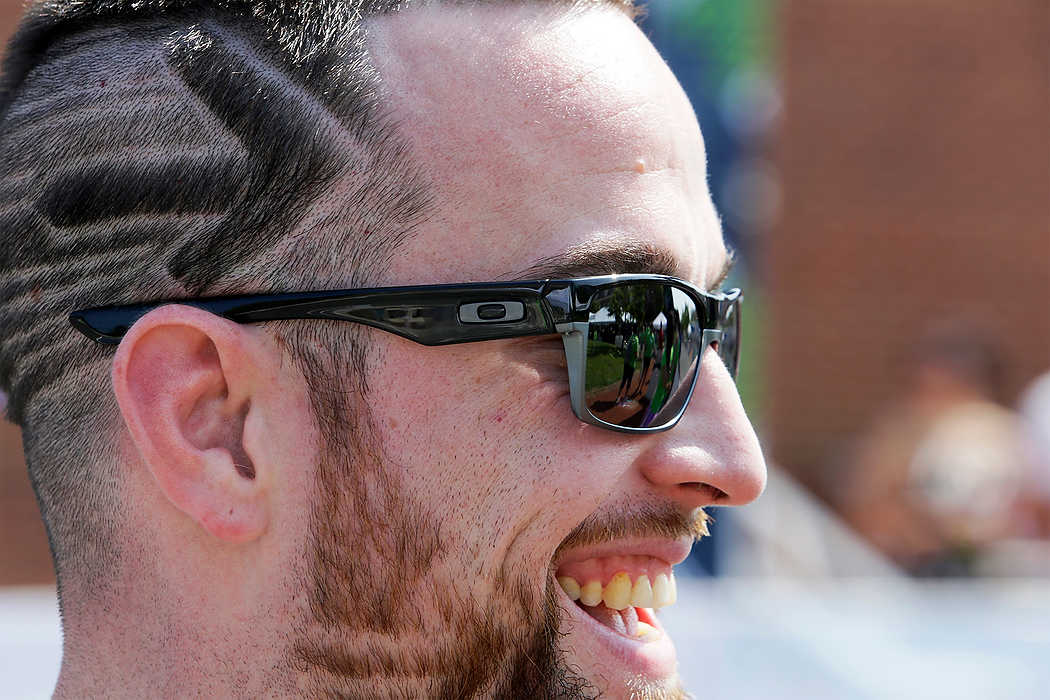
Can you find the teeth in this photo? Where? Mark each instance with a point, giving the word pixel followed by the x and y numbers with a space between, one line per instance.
pixel 645 630
pixel 642 593
pixel 661 591
pixel 617 595
pixel 571 587
pixel 591 593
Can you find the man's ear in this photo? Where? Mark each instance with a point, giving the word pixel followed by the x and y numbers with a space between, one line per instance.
pixel 184 380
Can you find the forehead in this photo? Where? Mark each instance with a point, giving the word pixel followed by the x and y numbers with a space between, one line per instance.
pixel 542 131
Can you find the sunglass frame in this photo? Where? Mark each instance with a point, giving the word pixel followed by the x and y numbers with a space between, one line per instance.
pixel 443 314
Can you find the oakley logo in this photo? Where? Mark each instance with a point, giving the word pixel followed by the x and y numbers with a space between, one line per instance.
pixel 492 312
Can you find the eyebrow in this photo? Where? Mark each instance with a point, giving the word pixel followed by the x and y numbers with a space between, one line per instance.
pixel 605 259
pixel 615 258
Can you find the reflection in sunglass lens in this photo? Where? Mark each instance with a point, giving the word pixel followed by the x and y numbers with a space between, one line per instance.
pixel 642 353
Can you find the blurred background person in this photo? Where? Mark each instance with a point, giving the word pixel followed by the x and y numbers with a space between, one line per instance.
pixel 938 478
pixel 1035 496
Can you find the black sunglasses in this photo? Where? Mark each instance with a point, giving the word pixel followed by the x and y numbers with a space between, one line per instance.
pixel 633 343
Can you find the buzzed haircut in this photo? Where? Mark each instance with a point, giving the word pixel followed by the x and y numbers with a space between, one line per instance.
pixel 158 149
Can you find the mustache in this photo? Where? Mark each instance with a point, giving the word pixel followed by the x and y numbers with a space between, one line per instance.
pixel 641 520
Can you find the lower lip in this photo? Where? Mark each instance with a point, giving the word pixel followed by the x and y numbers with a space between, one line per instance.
pixel 654 658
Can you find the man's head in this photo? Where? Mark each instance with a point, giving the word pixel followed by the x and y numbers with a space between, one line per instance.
pixel 313 505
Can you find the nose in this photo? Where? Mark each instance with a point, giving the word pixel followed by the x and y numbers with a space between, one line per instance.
pixel 713 454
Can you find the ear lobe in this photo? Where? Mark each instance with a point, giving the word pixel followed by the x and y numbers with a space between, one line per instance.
pixel 183 379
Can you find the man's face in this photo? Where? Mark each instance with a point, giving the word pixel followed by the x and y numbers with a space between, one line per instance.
pixel 545 135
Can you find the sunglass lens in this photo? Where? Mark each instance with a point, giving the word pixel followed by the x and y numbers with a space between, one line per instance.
pixel 642 353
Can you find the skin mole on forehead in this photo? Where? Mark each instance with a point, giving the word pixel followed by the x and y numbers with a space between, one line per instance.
pixel 639 165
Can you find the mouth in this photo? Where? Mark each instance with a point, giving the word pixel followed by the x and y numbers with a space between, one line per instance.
pixel 611 595
pixel 623 605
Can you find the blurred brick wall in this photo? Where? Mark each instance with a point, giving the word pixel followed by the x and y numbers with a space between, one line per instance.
pixel 24 557
pixel 915 160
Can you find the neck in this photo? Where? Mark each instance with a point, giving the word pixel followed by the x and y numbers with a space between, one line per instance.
pixel 153 641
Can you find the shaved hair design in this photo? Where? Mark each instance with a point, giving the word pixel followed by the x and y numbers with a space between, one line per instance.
pixel 165 150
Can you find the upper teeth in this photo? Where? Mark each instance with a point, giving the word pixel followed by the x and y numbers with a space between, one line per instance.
pixel 620 593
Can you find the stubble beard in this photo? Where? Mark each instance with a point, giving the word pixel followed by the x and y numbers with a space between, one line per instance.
pixel 379 623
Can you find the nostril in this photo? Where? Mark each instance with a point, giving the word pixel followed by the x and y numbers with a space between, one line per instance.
pixel 712 492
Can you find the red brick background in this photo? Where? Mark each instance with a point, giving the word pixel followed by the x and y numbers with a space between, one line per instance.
pixel 915 162
pixel 24 556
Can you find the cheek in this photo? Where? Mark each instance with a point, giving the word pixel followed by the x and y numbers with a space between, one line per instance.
pixel 531 398
pixel 489 448
pixel 467 395
pixel 477 430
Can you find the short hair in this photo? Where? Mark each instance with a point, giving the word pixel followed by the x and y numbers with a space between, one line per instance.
pixel 157 149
